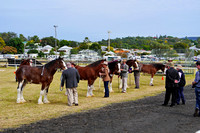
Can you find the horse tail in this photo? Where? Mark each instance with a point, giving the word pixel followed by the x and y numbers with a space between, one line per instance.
pixel 19 74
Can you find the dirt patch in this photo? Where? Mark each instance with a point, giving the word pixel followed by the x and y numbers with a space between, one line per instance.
pixel 141 116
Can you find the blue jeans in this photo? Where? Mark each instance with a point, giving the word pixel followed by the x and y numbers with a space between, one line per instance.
pixel 180 95
pixel 197 93
pixel 106 88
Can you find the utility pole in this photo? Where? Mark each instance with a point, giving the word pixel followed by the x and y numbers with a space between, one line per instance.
pixel 55 26
pixel 109 41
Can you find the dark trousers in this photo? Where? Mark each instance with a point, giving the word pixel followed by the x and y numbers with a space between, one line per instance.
pixel 180 95
pixel 169 92
pixel 106 88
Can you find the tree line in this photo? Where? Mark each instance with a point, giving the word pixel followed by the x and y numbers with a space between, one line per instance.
pixel 11 43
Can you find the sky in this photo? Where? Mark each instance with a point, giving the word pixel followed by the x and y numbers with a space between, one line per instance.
pixel 77 19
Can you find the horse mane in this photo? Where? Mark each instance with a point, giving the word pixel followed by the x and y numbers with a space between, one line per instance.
pixel 50 63
pixel 94 64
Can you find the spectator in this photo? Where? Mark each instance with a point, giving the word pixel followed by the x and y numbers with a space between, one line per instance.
pixel 181 84
pixel 106 78
pixel 171 84
pixel 124 75
pixel 137 76
pixel 196 83
pixel 71 78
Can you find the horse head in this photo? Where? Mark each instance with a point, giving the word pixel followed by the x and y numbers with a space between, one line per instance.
pixel 132 63
pixel 115 66
pixel 25 62
pixel 61 64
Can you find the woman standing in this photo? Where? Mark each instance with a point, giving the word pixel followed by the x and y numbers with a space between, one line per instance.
pixel 106 78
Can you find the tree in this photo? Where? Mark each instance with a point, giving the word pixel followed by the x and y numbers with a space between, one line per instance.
pixel 62 53
pixel 95 46
pixel 2 44
pixel 21 36
pixel 180 47
pixel 49 41
pixel 63 43
pixel 52 51
pixel 86 40
pixel 83 46
pixel 32 51
pixel 35 39
pixel 9 50
pixel 7 36
pixel 74 51
pixel 41 54
pixel 17 43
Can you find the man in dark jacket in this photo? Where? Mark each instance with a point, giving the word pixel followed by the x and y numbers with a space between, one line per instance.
pixel 71 78
pixel 181 84
pixel 171 84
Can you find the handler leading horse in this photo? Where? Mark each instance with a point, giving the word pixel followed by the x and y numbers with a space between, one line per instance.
pixel 150 68
pixel 37 75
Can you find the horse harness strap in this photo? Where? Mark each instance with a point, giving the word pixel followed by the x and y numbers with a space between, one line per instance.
pixel 42 71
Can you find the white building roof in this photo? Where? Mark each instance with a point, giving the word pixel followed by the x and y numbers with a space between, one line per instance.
pixel 64 48
pixel 47 47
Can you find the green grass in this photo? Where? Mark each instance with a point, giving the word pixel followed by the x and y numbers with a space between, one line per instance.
pixel 14 115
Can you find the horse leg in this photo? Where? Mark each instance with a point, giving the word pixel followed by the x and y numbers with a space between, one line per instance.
pixel 21 93
pixel 120 86
pixel 45 95
pixel 89 91
pixel 19 88
pixel 110 85
pixel 41 94
pixel 151 81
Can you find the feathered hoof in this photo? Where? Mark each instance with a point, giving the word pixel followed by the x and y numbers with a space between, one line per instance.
pixel 46 102
pixel 23 101
pixel 151 84
pixel 19 101
pixel 111 91
pixel 40 103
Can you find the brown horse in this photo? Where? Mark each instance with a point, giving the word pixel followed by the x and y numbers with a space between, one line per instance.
pixel 115 69
pixel 37 75
pixel 90 73
pixel 25 62
pixel 150 69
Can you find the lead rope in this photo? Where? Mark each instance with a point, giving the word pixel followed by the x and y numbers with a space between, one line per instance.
pixel 42 71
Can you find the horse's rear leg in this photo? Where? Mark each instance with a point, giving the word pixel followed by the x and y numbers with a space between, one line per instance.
pixel 45 95
pixel 21 93
pixel 19 88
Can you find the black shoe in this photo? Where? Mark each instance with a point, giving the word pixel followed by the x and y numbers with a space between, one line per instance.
pixel 171 105
pixel 183 103
pixel 164 104
pixel 178 104
pixel 76 104
pixel 196 112
pixel 106 96
pixel 137 88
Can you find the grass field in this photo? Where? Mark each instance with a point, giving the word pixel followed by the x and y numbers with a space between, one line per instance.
pixel 14 115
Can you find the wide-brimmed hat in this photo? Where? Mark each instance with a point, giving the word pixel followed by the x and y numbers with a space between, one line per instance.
pixel 179 66
pixel 105 63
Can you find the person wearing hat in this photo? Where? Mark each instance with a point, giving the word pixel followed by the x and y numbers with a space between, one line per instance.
pixel 171 84
pixel 124 75
pixel 106 78
pixel 196 82
pixel 181 84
